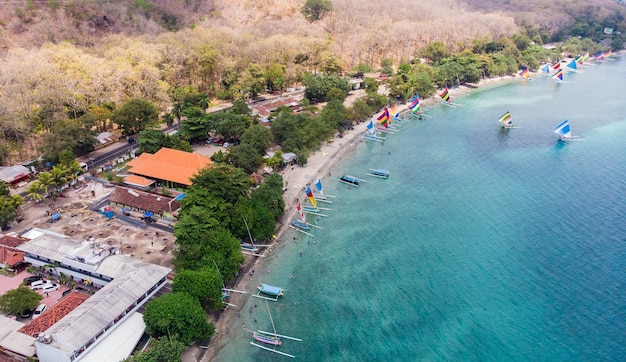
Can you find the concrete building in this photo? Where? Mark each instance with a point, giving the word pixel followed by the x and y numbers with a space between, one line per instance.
pixel 124 285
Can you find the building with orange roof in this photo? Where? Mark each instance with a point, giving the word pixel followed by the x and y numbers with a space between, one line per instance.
pixel 10 256
pixel 169 167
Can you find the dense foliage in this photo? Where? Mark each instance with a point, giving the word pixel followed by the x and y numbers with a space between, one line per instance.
pixel 15 301
pixel 177 314
pixel 205 285
pixel 160 350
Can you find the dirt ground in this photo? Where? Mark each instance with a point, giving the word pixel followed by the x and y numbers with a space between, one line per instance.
pixel 79 223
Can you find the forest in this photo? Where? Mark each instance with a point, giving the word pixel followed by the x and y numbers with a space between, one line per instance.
pixel 69 66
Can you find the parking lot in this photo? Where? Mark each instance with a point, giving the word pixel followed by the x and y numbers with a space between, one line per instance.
pixel 12 282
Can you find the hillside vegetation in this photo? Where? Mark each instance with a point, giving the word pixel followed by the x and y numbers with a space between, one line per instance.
pixel 77 60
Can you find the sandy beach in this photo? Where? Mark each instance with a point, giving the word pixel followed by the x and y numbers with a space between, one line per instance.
pixel 320 164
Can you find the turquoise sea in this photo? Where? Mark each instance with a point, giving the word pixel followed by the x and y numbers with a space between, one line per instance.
pixel 483 245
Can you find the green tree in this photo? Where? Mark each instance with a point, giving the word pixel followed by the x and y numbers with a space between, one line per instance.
pixel 246 157
pixel 205 285
pixel 435 51
pixel 270 194
pixel 4 189
pixel 259 137
pixel 8 211
pixel 370 85
pixel 314 10
pixel 15 301
pixel 177 314
pixel 135 115
pixel 160 350
pixel 150 140
pixel 275 77
pixel 241 108
pixel 231 125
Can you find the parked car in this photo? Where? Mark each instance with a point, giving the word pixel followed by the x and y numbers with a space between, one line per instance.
pixel 226 144
pixel 49 288
pixel 40 309
pixel 30 279
pixel 37 284
pixel 218 142
pixel 26 313
pixel 208 141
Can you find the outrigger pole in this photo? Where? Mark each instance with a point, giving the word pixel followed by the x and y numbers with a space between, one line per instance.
pixel 300 230
pixel 272 350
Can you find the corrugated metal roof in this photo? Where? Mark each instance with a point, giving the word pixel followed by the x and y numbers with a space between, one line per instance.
pixel 132 279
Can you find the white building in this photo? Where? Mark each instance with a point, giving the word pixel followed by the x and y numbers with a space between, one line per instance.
pixel 126 284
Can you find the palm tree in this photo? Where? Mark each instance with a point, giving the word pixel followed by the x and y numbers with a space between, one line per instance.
pixel 17 201
pixel 35 191
pixel 73 169
pixel 59 177
pixel 46 180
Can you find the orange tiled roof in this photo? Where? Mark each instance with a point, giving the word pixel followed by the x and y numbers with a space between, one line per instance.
pixel 169 165
pixel 10 256
pixel 138 180
pixel 11 241
pixel 54 314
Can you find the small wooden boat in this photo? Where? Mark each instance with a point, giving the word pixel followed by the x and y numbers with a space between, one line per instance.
pixel 350 180
pixel 300 225
pixel 378 172
pixel 274 341
pixel 270 290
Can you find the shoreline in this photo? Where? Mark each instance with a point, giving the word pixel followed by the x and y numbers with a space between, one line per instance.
pixel 320 164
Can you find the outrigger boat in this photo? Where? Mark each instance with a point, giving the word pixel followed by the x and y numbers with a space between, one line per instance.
pixel 314 210
pixel 250 248
pixel 320 194
pixel 273 291
pixel 350 180
pixel 378 172
pixel 272 339
pixel 565 133
pixel 301 225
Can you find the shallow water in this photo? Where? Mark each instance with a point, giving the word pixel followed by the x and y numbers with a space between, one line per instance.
pixel 483 244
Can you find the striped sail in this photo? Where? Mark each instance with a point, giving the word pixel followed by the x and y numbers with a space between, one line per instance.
pixel 505 119
pixel 563 130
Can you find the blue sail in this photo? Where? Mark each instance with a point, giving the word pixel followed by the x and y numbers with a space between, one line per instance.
pixel 318 185
pixel 546 68
pixel 572 64
pixel 563 130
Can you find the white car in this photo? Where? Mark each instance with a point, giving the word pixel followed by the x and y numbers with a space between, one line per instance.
pixel 50 287
pixel 40 309
pixel 38 284
pixel 226 145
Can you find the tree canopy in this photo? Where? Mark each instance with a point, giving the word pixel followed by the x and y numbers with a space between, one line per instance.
pixel 205 285
pixel 177 314
pixel 135 115
pixel 15 301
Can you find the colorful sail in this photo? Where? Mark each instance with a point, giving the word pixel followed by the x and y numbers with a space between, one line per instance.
pixel 599 55
pixel 525 73
pixel 445 95
pixel 318 184
pixel 414 102
pixel 546 68
pixel 506 119
pixel 579 59
pixel 572 64
pixel 394 111
pixel 558 75
pixel 563 130
pixel 417 109
pixel 384 118
pixel 585 57
pixel 301 212
pixel 556 65
pixel 310 195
